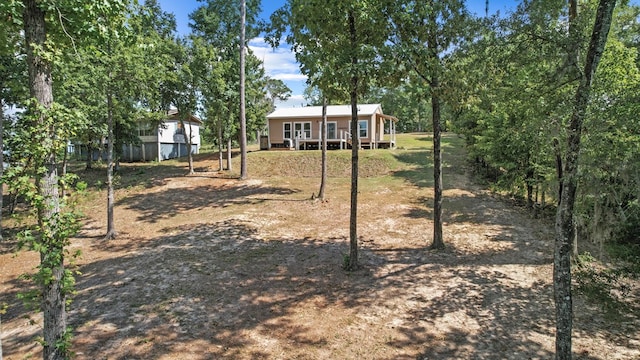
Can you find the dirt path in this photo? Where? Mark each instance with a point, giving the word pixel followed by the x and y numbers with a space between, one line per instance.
pixel 210 268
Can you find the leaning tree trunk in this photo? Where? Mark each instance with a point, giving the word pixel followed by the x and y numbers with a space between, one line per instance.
pixel 565 229
pixel 51 247
pixel 438 241
pixel 323 130
pixel 355 146
pixel 111 226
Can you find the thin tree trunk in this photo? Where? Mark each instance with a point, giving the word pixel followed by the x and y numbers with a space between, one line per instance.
pixel 111 227
pixel 243 115
pixel 220 140
pixel 529 185
pixel 323 135
pixel 438 241
pixel 89 160
pixel 52 256
pixel 188 144
pixel 355 146
pixel 565 229
pixel 1 313
pixel 558 155
pixel 189 147
pixel 65 161
pixel 101 149
pixel 1 174
pixel 229 166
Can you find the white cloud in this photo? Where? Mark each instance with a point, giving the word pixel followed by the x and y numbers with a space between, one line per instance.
pixel 290 77
pixel 293 101
pixel 279 63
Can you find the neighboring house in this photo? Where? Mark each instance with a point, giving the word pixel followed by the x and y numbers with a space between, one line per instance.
pixel 168 140
pixel 299 128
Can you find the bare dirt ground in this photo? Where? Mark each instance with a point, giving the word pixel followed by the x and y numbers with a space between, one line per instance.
pixel 207 267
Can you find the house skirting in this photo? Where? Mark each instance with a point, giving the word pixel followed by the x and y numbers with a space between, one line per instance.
pixel 149 151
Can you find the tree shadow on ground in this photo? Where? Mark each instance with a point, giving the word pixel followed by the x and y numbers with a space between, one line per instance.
pixel 129 174
pixel 219 290
pixel 9 241
pixel 420 170
pixel 145 174
pixel 169 202
pixel 205 287
pixel 466 207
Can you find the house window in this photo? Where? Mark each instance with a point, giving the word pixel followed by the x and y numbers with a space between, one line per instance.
pixel 332 130
pixel 286 130
pixel 302 130
pixel 146 130
pixel 363 128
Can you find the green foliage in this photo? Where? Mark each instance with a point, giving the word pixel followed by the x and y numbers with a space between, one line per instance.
pixel 81 186
pixel 627 255
pixel 64 343
pixel 345 261
pixel 509 104
pixel 319 34
pixel 610 180
pixel 514 89
pixel 409 101
pixel 215 66
pixel 600 285
pixel 218 22
pixel 72 47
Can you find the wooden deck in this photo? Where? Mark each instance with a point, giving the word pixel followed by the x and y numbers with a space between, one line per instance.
pixel 315 144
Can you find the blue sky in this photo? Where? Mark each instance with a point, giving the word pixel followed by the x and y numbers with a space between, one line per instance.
pixel 281 63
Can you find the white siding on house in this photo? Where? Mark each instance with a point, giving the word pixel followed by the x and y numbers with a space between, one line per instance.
pixel 168 133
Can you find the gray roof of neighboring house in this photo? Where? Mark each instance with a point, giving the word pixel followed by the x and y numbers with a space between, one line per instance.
pixel 173 114
pixel 316 111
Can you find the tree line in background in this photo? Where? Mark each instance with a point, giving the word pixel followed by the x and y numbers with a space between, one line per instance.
pixel 549 113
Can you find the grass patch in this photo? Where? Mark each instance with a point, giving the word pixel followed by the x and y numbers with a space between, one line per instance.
pixel 628 255
pixel 305 164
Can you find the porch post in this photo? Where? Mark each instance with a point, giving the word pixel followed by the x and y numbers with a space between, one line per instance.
pixel 393 136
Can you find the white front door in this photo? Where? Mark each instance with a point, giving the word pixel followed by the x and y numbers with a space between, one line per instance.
pixel 302 130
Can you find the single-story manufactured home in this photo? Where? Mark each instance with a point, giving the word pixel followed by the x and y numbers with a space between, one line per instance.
pixel 167 140
pixel 299 128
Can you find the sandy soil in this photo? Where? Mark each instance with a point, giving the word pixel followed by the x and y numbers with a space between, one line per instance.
pixel 210 268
